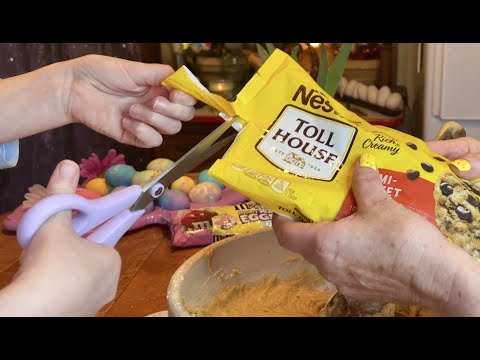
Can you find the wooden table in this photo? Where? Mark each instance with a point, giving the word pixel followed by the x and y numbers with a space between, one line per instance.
pixel 148 262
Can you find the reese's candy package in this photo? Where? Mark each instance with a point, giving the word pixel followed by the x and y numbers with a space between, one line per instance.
pixel 295 151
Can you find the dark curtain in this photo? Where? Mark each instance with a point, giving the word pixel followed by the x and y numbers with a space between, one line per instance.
pixel 40 153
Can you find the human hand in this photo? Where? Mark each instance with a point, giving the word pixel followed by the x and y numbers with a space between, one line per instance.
pixel 62 274
pixel 125 100
pixel 383 252
pixel 465 148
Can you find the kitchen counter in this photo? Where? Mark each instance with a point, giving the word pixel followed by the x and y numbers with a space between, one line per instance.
pixel 148 262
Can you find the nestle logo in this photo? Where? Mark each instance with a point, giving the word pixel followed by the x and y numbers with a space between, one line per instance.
pixel 295 160
pixel 302 143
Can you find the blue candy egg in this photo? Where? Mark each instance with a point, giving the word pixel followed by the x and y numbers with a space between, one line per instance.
pixel 120 175
pixel 174 200
pixel 204 177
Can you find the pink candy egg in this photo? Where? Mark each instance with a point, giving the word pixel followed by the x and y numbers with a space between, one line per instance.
pixel 205 192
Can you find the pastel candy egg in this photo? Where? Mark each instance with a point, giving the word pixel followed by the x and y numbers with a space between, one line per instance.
pixel 99 185
pixel 87 193
pixel 174 200
pixel 160 164
pixel 120 175
pixel 143 176
pixel 205 192
pixel 204 177
pixel 183 183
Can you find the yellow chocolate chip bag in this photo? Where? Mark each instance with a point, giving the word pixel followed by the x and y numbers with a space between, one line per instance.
pixel 297 146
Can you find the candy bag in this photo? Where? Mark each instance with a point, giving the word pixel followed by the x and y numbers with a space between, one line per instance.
pixel 197 227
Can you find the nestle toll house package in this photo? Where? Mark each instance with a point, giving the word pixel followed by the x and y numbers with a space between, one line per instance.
pixel 297 145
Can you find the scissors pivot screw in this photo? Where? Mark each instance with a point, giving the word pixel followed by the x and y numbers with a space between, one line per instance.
pixel 157 190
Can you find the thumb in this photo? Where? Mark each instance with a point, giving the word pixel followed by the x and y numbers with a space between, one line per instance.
pixel 468 167
pixel 64 180
pixel 296 236
pixel 366 184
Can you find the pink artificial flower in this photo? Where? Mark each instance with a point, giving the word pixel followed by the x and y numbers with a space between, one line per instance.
pixel 93 168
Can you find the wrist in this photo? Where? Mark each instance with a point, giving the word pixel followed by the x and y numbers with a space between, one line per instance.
pixel 21 298
pixel 448 281
pixel 34 102
pixel 464 295
pixel 60 76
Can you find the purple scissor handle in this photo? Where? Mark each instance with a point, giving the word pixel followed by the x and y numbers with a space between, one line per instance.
pixel 91 213
pixel 118 211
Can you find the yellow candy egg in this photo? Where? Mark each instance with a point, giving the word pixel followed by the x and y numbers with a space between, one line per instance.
pixel 99 185
pixel 161 164
pixel 143 176
pixel 184 184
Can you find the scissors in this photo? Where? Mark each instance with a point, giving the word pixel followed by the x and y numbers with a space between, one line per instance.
pixel 118 211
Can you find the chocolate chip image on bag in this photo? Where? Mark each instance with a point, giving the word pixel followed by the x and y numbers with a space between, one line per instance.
pixel 297 146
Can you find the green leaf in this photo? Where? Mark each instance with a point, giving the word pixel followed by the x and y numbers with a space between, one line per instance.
pixel 262 53
pixel 295 52
pixel 270 48
pixel 323 68
pixel 337 69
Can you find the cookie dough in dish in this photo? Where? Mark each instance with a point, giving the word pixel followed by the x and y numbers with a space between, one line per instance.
pixel 303 294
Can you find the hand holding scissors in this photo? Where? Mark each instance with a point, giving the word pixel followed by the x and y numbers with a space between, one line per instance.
pixel 118 211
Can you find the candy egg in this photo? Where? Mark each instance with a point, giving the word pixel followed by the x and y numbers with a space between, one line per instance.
pixel 143 176
pixel 87 193
pixel 174 200
pixel 120 175
pixel 183 183
pixel 99 185
pixel 205 192
pixel 160 164
pixel 204 177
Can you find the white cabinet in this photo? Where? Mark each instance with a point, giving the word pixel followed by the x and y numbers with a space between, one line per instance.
pixel 452 87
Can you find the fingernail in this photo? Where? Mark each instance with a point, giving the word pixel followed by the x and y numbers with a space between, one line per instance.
pixel 135 110
pixel 462 165
pixel 367 160
pixel 160 103
pixel 68 169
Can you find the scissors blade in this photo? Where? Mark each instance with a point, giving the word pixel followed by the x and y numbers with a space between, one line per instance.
pixel 195 156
